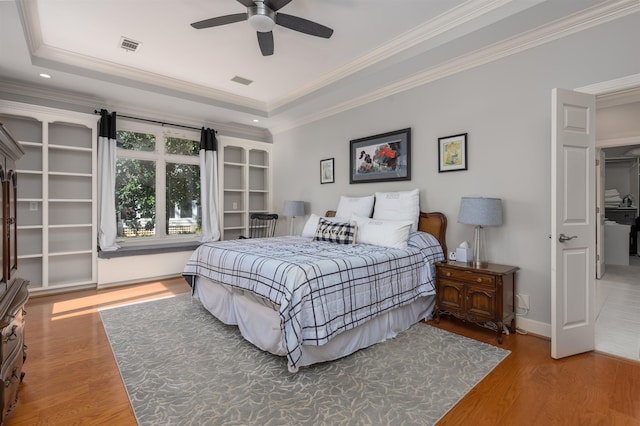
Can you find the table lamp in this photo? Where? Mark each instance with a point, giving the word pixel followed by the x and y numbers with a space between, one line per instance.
pixel 293 209
pixel 480 212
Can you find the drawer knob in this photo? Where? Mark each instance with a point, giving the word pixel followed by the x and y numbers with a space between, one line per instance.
pixel 448 273
pixel 479 279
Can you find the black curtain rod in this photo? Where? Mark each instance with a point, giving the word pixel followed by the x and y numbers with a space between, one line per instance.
pixel 163 123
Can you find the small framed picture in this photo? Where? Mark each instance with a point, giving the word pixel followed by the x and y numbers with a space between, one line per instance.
pixel 452 153
pixel 326 171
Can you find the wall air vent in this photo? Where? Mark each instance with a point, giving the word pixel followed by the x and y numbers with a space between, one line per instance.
pixel 241 80
pixel 128 44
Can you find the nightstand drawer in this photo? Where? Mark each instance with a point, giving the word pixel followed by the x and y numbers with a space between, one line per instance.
pixel 466 276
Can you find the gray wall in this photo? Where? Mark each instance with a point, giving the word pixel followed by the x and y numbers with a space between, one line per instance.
pixel 505 107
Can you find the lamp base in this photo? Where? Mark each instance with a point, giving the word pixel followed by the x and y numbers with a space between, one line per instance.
pixel 479 248
pixel 291 226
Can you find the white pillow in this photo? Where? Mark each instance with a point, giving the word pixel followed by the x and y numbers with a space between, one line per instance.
pixel 386 233
pixel 311 225
pixel 399 205
pixel 360 206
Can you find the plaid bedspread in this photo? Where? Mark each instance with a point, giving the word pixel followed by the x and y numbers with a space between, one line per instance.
pixel 321 288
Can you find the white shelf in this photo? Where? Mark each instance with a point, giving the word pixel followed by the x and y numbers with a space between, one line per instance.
pixel 87 175
pixel 30 256
pixel 69 148
pixel 58 237
pixel 244 183
pixel 69 253
pixel 69 200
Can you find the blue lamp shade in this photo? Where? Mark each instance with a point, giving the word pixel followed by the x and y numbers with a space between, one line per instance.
pixel 480 211
pixel 293 208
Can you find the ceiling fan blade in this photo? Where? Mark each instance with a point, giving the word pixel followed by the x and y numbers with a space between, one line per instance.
pixel 220 20
pixel 247 3
pixel 265 40
pixel 276 4
pixel 303 25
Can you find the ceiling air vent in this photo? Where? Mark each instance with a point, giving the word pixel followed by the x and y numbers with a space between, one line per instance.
pixel 242 80
pixel 128 44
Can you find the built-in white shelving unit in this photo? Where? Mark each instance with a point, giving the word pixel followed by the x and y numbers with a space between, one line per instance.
pixel 56 195
pixel 245 184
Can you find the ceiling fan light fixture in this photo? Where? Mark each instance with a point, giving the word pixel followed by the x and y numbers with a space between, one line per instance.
pixel 261 18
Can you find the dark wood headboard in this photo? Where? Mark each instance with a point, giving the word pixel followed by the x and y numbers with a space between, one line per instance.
pixel 435 223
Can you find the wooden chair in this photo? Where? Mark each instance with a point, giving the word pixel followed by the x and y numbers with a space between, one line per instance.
pixel 262 225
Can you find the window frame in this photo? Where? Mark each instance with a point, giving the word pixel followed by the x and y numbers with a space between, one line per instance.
pixel 160 157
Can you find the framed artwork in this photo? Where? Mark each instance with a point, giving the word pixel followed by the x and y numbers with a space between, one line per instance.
pixel 452 153
pixel 326 171
pixel 381 158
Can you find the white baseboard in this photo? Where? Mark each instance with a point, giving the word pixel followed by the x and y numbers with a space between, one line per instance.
pixel 129 269
pixel 534 327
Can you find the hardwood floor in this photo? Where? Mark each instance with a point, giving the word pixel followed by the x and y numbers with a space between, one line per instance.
pixel 72 378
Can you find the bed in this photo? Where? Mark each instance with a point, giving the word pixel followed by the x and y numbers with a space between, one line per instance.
pixel 315 301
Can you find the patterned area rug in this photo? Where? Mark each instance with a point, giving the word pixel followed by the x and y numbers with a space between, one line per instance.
pixel 181 366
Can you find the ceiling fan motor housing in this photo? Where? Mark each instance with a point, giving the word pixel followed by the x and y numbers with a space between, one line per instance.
pixel 261 18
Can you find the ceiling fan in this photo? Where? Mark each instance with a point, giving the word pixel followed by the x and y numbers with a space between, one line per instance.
pixel 263 15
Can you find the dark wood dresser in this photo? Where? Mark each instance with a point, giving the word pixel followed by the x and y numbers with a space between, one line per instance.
pixel 13 290
pixel 481 295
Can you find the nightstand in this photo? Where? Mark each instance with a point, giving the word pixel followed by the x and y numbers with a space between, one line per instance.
pixel 484 295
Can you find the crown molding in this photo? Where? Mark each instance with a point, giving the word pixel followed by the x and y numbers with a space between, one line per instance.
pixel 615 142
pixel 615 92
pixel 453 18
pixel 53 114
pixel 54 95
pixel 91 103
pixel 577 22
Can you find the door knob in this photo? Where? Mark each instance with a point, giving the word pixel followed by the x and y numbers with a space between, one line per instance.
pixel 564 238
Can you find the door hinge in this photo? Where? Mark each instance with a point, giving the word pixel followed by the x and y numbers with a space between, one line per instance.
pixel 597 257
pixel 597 162
pixel 597 210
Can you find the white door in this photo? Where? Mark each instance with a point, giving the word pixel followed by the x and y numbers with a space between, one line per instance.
pixel 600 187
pixel 573 229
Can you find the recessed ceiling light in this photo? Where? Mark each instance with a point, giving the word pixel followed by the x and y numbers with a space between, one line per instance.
pixel 43 75
pixel 255 120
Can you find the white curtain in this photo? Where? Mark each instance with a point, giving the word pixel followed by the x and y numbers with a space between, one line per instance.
pixel 107 226
pixel 209 185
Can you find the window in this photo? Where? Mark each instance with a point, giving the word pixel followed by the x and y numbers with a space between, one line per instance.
pixel 157 183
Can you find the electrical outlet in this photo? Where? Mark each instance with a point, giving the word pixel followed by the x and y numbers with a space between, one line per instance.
pixel 235 206
pixel 522 301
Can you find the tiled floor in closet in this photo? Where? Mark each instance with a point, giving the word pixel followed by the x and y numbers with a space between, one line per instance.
pixel 618 321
